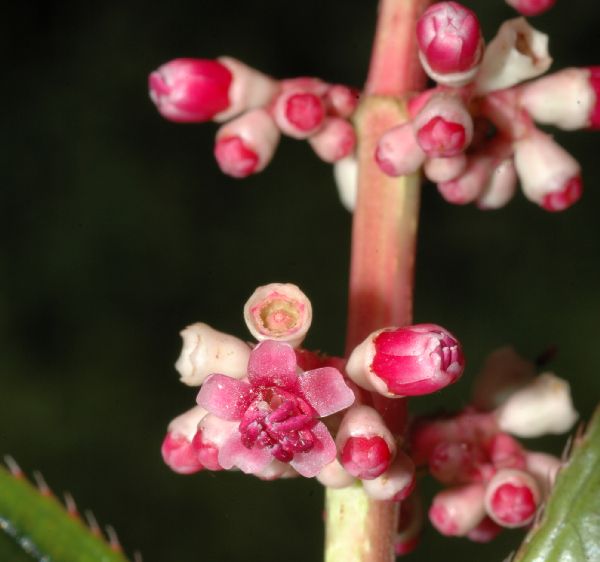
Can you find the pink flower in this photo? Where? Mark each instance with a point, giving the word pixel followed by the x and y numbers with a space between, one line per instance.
pixel 277 410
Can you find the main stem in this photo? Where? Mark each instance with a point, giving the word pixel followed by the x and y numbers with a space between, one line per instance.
pixel 359 529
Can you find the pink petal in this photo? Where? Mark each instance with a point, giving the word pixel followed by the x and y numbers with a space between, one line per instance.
pixel 325 390
pixel 309 464
pixel 234 453
pixel 273 364
pixel 225 397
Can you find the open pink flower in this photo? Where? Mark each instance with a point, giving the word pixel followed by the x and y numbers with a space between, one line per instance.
pixel 277 410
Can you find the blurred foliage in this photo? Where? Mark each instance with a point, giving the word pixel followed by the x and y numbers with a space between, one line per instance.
pixel 117 230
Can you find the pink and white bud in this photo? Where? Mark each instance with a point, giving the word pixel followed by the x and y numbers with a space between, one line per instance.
pixel 398 153
pixel 206 351
pixel 440 170
pixel 177 449
pixel 299 113
pixel 191 90
pixel 459 462
pixel 366 445
pixel 531 7
pixel 485 532
pixel 280 312
pixel 501 186
pixel 334 141
pixel 345 173
pixel 212 434
pixel 408 361
pixel 396 484
pixel 457 511
pixel 517 53
pixel 249 89
pixel 567 99
pixel 245 145
pixel 506 452
pixel 504 371
pixel 544 468
pixel 450 43
pixel 410 524
pixel 549 175
pixel 467 187
pixel 333 475
pixel 543 406
pixel 444 126
pixel 341 101
pixel 512 498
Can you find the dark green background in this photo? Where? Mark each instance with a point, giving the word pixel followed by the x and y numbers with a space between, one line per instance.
pixel 117 230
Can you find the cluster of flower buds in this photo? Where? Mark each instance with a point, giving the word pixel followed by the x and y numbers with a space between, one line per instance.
pixel 255 109
pixel 474 133
pixel 276 410
pixel 491 480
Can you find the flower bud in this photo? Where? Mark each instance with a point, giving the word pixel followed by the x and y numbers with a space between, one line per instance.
pixel 506 452
pixel 549 175
pixel 299 113
pixel 410 524
pixel 408 361
pixel 511 498
pixel 398 153
pixel 543 406
pixel 191 90
pixel 246 144
pixel 177 450
pixel 467 187
pixel 206 351
pixel 450 43
pixel 457 511
pixel 345 173
pixel 341 101
pixel 531 7
pixel 395 484
pixel 459 463
pixel 366 445
pixel 334 141
pixel 333 475
pixel 444 126
pixel 544 468
pixel 280 312
pixel 440 170
pixel 485 532
pixel 501 186
pixel 567 99
pixel 517 53
pixel 211 435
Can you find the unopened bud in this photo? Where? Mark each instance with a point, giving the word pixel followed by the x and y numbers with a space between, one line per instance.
pixel 467 187
pixel 177 450
pixel 457 511
pixel 299 113
pixel 212 434
pixel 531 7
pixel 517 53
pixel 543 406
pixel 501 186
pixel 334 141
pixel 485 532
pixel 408 361
pixel 506 452
pixel 398 153
pixel 544 467
pixel 345 173
pixel 278 311
pixel 450 43
pixel 207 351
pixel 341 100
pixel 549 175
pixel 458 463
pixel 440 170
pixel 396 483
pixel 245 145
pixel 511 498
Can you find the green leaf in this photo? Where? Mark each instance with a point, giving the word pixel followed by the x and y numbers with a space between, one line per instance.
pixel 569 528
pixel 39 527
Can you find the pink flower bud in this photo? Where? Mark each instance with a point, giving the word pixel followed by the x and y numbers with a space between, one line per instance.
pixel 245 145
pixel 206 351
pixel 517 53
pixel 398 153
pixel 504 371
pixel 177 450
pixel 396 483
pixel 467 187
pixel 485 532
pixel 567 99
pixel 531 7
pixel 501 186
pixel 212 434
pixel 543 406
pixel 345 173
pixel 190 90
pixel 444 126
pixel 549 175
pixel 595 82
pixel 544 468
pixel 299 113
pixel 407 361
pixel 511 498
pixel 341 101
pixel 506 452
pixel 333 475
pixel 457 511
pixel 365 443
pixel 334 141
pixel 278 311
pixel 450 43
pixel 459 463
pixel 440 170
pixel 410 524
